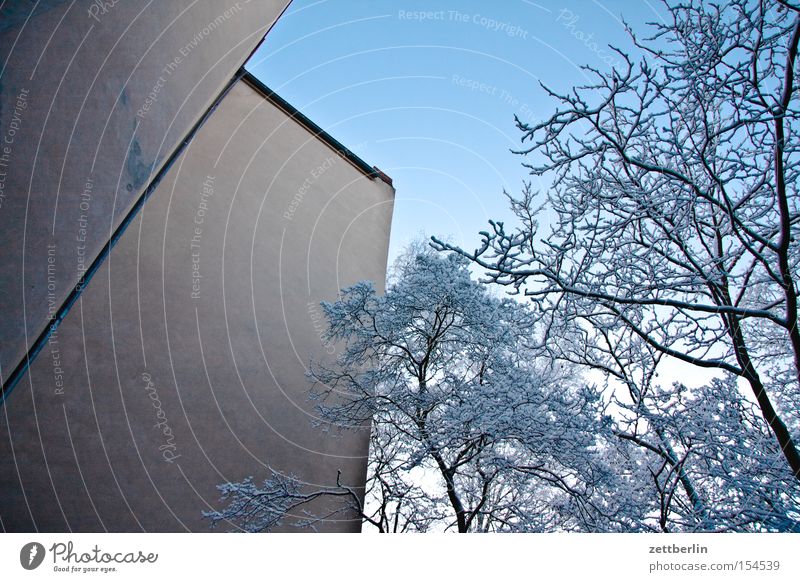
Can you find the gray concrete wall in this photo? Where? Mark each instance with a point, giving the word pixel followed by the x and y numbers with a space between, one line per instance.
pixel 94 96
pixel 209 304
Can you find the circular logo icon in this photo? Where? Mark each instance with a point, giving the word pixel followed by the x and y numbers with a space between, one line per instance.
pixel 31 555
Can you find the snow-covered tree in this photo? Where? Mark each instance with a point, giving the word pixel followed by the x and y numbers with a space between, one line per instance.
pixel 471 429
pixel 673 222
pixel 712 461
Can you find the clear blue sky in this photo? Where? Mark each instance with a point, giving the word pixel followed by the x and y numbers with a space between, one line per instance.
pixel 427 91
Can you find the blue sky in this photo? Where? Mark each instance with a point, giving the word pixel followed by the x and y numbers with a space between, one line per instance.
pixel 427 91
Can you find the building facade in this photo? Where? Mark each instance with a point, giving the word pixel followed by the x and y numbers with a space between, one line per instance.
pixel 184 269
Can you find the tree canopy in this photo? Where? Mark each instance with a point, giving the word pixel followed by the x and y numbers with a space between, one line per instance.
pixel 674 209
pixel 471 430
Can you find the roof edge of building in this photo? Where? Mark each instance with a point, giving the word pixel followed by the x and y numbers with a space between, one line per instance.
pixel 371 172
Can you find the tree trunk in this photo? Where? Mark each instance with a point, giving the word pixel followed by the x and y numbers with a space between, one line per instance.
pixel 779 429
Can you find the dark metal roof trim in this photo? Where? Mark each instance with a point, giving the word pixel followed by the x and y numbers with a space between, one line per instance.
pixel 370 171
